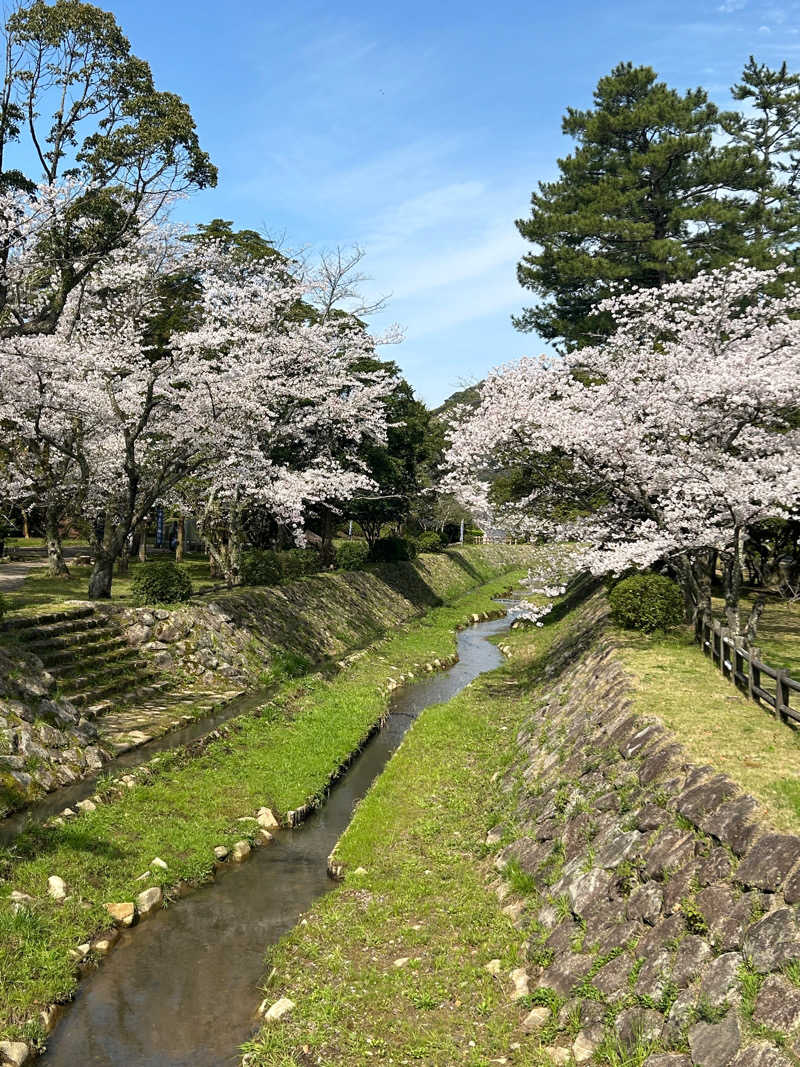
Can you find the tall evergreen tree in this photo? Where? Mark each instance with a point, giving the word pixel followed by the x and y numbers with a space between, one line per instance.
pixel 770 131
pixel 645 198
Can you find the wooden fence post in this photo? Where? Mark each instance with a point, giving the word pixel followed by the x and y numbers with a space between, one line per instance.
pixel 724 636
pixel 755 671
pixel 782 695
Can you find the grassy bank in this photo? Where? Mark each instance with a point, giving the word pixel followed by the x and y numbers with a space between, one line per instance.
pixel 391 967
pixel 184 807
pixel 675 682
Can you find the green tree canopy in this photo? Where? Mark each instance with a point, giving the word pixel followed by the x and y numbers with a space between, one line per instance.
pixel 645 198
pixel 81 108
pixel 769 130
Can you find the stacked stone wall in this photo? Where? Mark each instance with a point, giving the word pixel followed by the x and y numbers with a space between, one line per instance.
pixel 235 635
pixel 44 740
pixel 662 909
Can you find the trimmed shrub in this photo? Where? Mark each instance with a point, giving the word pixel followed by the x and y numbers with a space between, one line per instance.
pixel 647 602
pixel 393 550
pixel 163 582
pixel 352 555
pixel 430 541
pixel 261 566
pixel 297 562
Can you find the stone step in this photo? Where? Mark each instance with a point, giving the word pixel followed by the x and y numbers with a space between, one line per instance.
pixel 101 643
pixel 88 689
pixel 36 635
pixel 72 642
pixel 20 623
pixel 94 665
pixel 125 699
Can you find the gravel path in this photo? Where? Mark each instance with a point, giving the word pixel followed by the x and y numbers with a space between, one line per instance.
pixel 12 575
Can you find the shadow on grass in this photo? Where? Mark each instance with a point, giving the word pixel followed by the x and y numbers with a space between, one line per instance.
pixel 461 560
pixel 36 841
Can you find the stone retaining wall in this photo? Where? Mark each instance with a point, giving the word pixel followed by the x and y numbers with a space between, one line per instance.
pixel 236 636
pixel 662 923
pixel 44 741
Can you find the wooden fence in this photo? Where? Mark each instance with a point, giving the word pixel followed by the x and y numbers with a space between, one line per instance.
pixel 747 670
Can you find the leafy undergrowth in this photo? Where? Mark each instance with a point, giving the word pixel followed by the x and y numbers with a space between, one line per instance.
pixel 425 899
pixel 186 805
pixel 675 682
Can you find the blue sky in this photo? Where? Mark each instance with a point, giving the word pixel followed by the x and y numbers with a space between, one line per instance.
pixel 418 130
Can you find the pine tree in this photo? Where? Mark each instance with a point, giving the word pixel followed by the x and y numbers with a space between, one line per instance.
pixel 770 131
pixel 645 198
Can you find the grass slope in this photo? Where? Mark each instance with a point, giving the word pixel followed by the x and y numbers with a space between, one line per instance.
pixel 675 682
pixel 186 806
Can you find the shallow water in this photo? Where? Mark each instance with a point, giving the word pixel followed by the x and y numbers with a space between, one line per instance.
pixel 181 990
pixel 68 796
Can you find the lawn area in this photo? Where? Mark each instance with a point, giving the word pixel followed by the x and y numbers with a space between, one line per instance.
pixel 391 967
pixel 778 632
pixel 675 682
pixel 40 592
pixel 185 806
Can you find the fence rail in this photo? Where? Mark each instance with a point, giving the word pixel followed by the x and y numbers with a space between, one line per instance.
pixel 745 668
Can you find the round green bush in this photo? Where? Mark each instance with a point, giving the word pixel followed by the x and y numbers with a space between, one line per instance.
pixel 261 566
pixel 297 562
pixel 163 582
pixel 352 555
pixel 647 602
pixel 393 550
pixel 429 541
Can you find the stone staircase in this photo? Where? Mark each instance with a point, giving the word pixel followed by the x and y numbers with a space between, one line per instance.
pixel 106 679
pixel 93 665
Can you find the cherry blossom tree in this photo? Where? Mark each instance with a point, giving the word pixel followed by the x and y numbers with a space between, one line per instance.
pixel 288 398
pixel 664 444
pixel 234 400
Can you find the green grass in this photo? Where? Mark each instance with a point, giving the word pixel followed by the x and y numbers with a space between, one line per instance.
pixel 676 683
pixel 40 592
pixel 778 632
pixel 281 758
pixel 419 833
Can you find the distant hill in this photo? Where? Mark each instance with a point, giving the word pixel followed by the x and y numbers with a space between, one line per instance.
pixel 470 396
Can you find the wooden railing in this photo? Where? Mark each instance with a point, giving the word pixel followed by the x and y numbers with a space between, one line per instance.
pixel 745 668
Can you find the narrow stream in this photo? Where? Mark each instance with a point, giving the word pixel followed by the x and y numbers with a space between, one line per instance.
pixel 182 989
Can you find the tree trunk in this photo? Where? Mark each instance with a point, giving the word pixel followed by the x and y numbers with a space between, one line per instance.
pixel 326 552
pixel 225 555
pixel 26 532
pixel 693 579
pixel 751 629
pixel 181 535
pixel 101 576
pixel 732 573
pixel 143 543
pixel 106 552
pixel 56 566
pixel 122 562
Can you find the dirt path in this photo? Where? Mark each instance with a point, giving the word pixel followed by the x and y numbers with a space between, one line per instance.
pixel 12 575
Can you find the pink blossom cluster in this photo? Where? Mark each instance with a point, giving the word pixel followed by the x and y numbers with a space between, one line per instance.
pixel 253 404
pixel 678 427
